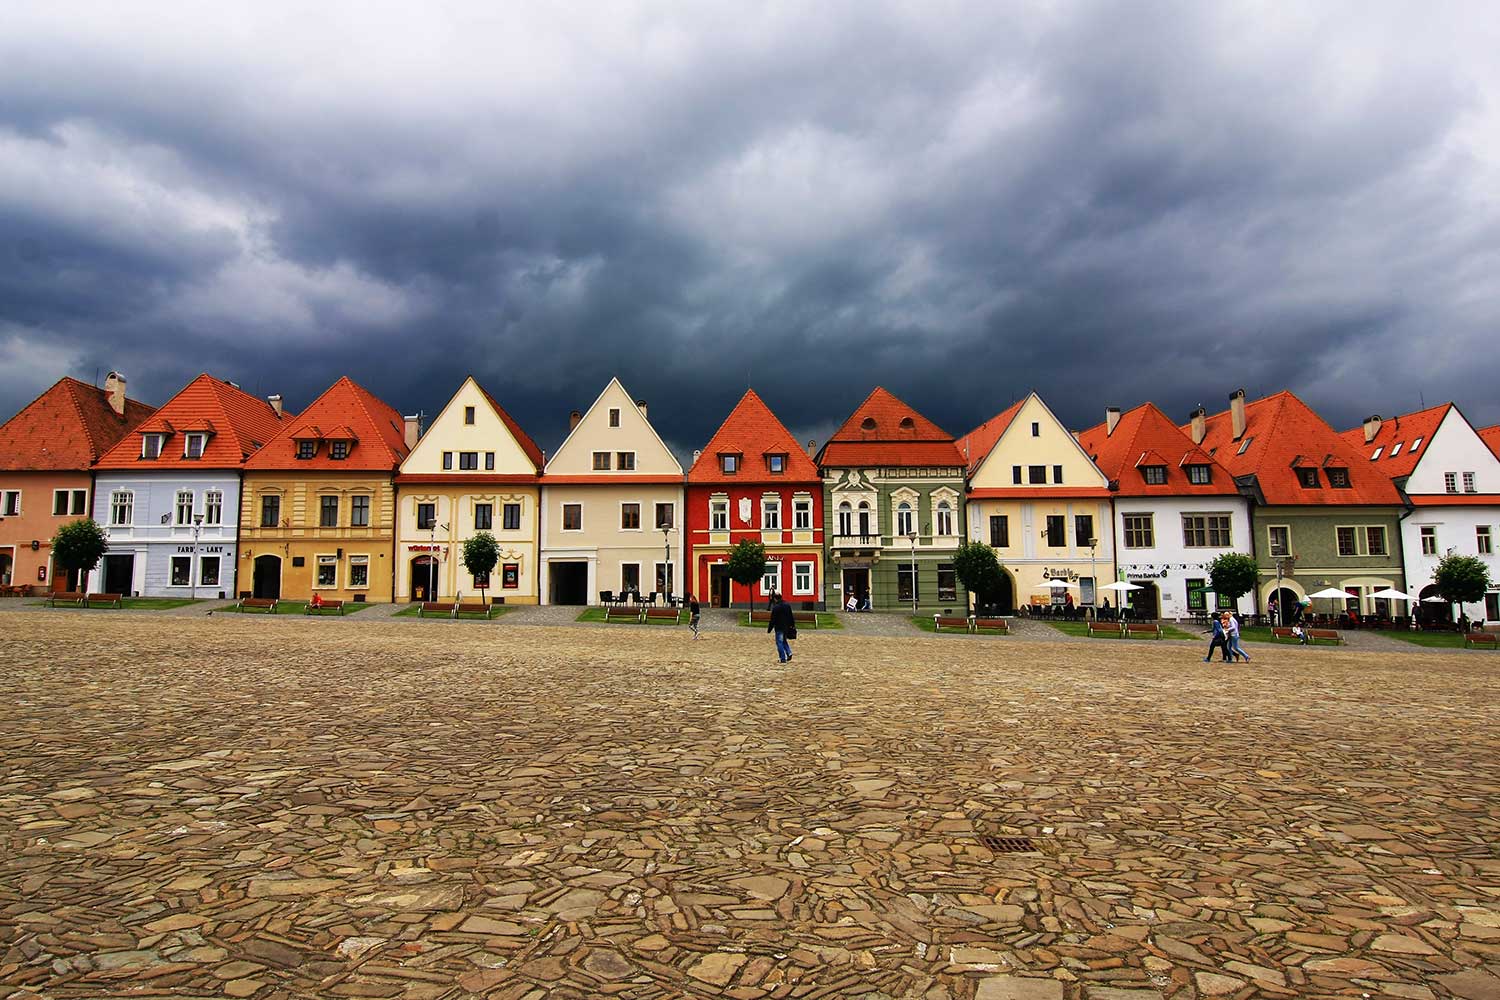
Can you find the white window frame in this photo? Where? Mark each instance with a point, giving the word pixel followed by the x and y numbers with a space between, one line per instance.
pixel 845 517
pixel 1427 533
pixel 718 515
pixel 172 571
pixel 6 499
pixel 802 514
pixel 203 560
pixel 770 513
pixel 670 576
pixel 189 439
pixel 943 512
pixel 1484 543
pixel 360 559
pixel 905 519
pixel 620 462
pixel 770 578
pixel 121 500
pixel 1450 482
pixel 213 507
pixel 177 507
pixel 562 517
pixel 606 457
pixel 65 496
pixel 1271 544
pixel 319 563
pixel 147 441
pixel 640 517
pixel 656 507
pixel 79 503
pixel 799 570
pixel 1469 482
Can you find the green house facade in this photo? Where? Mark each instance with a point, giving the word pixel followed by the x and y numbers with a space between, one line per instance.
pixel 1354 549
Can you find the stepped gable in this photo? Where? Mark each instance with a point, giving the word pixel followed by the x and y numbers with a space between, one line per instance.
pixel 239 424
pixel 1405 430
pixel 1147 436
pixel 345 411
pixel 884 431
pixel 1282 433
pixel 752 430
pixel 977 443
pixel 70 426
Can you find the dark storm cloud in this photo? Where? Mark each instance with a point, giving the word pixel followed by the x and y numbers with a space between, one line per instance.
pixel 1106 203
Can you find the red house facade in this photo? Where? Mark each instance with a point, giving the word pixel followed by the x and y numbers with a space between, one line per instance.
pixel 753 481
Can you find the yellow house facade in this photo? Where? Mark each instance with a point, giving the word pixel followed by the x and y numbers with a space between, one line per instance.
pixel 474 470
pixel 611 506
pixel 318 502
pixel 1035 496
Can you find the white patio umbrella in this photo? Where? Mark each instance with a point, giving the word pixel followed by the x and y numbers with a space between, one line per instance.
pixel 1392 595
pixel 1050 584
pixel 1330 594
pixel 1122 586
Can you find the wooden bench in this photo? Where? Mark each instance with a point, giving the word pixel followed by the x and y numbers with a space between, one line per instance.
pixel 336 607
pixel 1326 634
pixel 624 612
pixel 808 618
pixel 990 625
pixel 1115 629
pixel 1143 628
pixel 67 597
pixel 940 622
pixel 264 604
pixel 673 615
pixel 1481 640
pixel 1280 632
pixel 434 608
pixel 482 610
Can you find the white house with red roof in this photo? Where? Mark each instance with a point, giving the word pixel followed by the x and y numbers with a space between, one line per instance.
pixel 1451 480
pixel 1176 509
pixel 168 494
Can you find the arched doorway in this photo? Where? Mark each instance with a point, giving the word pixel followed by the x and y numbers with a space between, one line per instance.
pixel 1145 602
pixel 424 579
pixel 266 581
pixel 1287 602
pixel 1433 613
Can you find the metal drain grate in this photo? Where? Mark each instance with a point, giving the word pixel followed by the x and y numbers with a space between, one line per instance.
pixel 1009 845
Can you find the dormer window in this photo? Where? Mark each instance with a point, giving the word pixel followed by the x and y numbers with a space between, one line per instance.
pixel 1199 475
pixel 1377 453
pixel 908 424
pixel 1308 477
pixel 338 450
pixel 867 424
pixel 151 446
pixel 306 449
pixel 1155 475
pixel 1338 478
pixel 776 463
pixel 192 445
pixel 729 464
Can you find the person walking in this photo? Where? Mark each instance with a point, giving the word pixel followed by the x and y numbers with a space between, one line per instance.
pixel 695 614
pixel 784 625
pixel 1273 609
pixel 1232 631
pixel 1220 640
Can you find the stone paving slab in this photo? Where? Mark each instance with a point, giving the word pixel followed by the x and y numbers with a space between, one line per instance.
pixel 238 807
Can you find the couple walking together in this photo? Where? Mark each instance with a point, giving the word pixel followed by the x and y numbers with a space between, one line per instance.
pixel 1227 638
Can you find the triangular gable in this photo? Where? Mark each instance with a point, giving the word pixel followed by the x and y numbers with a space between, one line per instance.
pixel 490 432
pixel 752 430
pixel 1151 458
pixel 992 471
pixel 237 424
pixel 575 456
pixel 334 416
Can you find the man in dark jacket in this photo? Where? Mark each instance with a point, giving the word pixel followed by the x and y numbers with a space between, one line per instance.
pixel 782 623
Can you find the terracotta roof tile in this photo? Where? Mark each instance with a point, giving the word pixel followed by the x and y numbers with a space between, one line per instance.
pixel 68 427
pixel 1146 436
pixel 977 443
pixel 883 430
pixel 1491 437
pixel 241 424
pixel 752 430
pixel 1402 431
pixel 346 411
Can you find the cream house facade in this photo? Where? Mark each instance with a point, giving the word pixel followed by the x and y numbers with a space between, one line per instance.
pixel 612 506
pixel 473 470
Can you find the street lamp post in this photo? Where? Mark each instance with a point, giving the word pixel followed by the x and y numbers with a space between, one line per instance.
pixel 1094 576
pixel 912 537
pixel 193 569
pixel 432 558
pixel 666 570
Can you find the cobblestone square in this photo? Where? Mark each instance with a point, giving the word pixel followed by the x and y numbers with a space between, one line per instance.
pixel 256 807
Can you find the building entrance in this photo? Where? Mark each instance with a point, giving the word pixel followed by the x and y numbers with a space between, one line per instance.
pixel 266 581
pixel 119 574
pixel 1146 602
pixel 425 584
pixel 857 583
pixel 718 585
pixel 570 582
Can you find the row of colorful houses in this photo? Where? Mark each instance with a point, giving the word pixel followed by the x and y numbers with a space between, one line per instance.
pixel 221 493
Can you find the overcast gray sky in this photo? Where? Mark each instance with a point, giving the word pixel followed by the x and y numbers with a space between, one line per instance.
pixel 1105 202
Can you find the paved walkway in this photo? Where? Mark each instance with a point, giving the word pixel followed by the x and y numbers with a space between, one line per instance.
pixel 195 807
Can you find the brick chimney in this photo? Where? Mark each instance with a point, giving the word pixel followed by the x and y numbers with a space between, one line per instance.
pixel 573 419
pixel 812 447
pixel 1199 421
pixel 1372 427
pixel 1111 418
pixel 1237 412
pixel 114 388
pixel 413 430
pixel 275 402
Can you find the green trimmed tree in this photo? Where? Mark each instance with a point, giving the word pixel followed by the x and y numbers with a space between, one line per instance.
pixel 79 545
pixel 978 569
pixel 1461 579
pixel 1233 575
pixel 747 564
pixel 480 555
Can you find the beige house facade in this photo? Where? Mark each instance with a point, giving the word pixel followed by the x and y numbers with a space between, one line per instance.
pixel 473 470
pixel 612 505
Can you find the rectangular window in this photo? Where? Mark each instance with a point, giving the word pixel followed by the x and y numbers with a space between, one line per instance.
pixel 270 511
pixel 483 516
pixel 328 571
pixel 469 415
pixel 770 580
pixel 359 511
pixel 630 517
pixel 192 446
pixel 184 510
pixel 1140 531
pixel 729 464
pixel 306 449
pixel 1037 475
pixel 328 512
pixel 151 446
pixel 572 517
pixel 802 514
pixel 776 463
pixel 664 578
pixel 208 571
pixel 1205 531
pixel 213 507
pixel 511 514
pixel 601 461
pixel 447 460
pixel 1279 540
pixel 999 531
pixel 1057 475
pixel 614 416
pixel 1468 482
pixel 510 576
pixel 1057 531
pixel 770 515
pixel 338 450
pixel 182 571
pixel 1429 539
pixel 718 515
pixel 1199 475
pixel 630 577
pixel 1015 474
pixel 1375 540
pixel 1338 478
pixel 426 516
pixel 121 508
pixel 625 461
pixel 1036 429
pixel 1083 530
pixel 1450 482
pixel 359 572
pixel 81 502
pixel 1196 601
pixel 1347 543
pixel 1155 475
pixel 906 583
pixel 468 461
pixel 666 516
pixel 59 503
pixel 947 582
pixel 489 461
pixel 1482 540
pixel 1308 478
pixel 802 578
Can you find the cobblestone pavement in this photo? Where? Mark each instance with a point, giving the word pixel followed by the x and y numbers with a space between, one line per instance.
pixel 195 807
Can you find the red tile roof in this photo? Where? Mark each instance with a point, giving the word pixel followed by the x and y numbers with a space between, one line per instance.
pixel 1491 437
pixel 883 430
pixel 752 430
pixel 1146 436
pixel 65 428
pixel 1282 431
pixel 522 438
pixel 1404 431
pixel 346 411
pixel 977 443
pixel 242 424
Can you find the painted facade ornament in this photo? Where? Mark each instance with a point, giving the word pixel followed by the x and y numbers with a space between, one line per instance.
pixel 744 510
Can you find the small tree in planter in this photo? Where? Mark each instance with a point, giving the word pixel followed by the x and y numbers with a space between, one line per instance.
pixel 480 555
pixel 79 545
pixel 1233 575
pixel 977 568
pixel 747 564
pixel 1461 579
